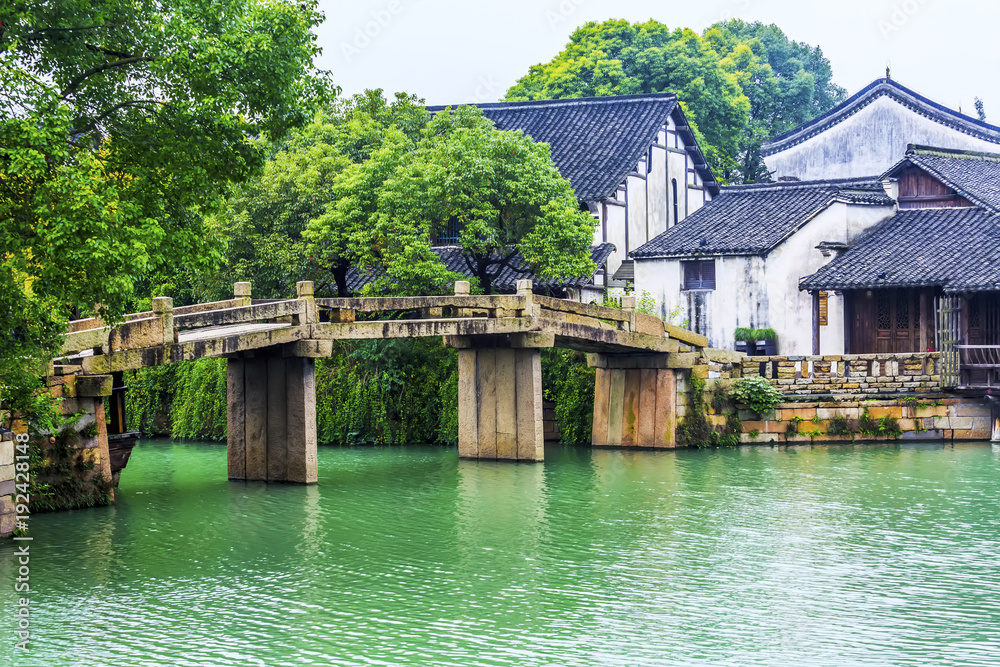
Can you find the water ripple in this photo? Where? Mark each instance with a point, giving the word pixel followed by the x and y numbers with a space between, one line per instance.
pixel 855 555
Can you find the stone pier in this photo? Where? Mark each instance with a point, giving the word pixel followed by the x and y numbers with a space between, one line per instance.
pixel 271 418
pixel 500 392
pixel 271 407
pixel 635 401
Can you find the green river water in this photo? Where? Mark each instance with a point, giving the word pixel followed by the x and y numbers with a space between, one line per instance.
pixel 857 555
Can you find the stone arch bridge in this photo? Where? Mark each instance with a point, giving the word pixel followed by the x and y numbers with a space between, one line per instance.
pixel 272 347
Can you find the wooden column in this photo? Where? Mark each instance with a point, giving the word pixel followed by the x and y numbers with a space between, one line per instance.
pixel 500 404
pixel 816 327
pixel 635 401
pixel 926 321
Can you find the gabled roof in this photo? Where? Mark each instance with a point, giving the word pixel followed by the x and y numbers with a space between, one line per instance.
pixel 597 141
pixel 754 219
pixel 901 94
pixel 975 176
pixel 506 281
pixel 957 249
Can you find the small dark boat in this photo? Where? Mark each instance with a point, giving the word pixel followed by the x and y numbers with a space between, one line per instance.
pixel 120 449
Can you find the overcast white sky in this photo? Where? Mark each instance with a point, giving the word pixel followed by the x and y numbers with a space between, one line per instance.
pixel 455 51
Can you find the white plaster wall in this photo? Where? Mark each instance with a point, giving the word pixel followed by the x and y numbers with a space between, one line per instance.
pixel 636 212
pixel 616 235
pixel 656 183
pixel 868 144
pixel 677 165
pixel 755 292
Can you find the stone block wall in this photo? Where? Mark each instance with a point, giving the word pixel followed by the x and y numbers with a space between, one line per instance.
pixel 858 374
pixel 7 515
pixel 929 417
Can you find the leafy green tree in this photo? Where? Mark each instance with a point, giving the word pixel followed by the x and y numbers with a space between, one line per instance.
pixel 121 122
pixel 788 83
pixel 619 58
pixel 740 83
pixel 263 221
pixel 501 190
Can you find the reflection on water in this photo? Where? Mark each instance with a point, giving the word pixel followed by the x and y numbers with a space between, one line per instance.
pixel 879 555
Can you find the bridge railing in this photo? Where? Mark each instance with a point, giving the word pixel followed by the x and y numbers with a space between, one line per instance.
pixel 164 324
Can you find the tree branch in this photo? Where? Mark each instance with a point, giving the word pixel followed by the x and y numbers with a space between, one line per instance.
pixel 96 121
pixel 108 52
pixel 75 84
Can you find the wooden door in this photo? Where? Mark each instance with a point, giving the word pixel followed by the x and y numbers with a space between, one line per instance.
pixel 886 322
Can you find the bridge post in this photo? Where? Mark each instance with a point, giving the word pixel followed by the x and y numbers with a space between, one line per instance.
pixel 500 404
pixel 271 414
pixel 635 401
pixel 500 391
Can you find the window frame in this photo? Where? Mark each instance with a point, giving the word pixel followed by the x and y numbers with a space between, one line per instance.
pixel 703 282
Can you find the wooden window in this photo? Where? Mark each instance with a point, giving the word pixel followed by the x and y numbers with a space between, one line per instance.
pixel 450 234
pixel 824 298
pixel 699 275
pixel 673 186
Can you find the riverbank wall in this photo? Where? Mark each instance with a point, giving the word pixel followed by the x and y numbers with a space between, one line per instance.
pixel 66 469
pixel 841 398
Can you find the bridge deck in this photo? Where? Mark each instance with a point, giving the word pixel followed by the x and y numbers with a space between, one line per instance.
pixel 225 328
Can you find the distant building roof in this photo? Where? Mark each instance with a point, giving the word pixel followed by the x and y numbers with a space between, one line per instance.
pixel 506 281
pixel 597 141
pixel 957 249
pixel 901 94
pixel 754 219
pixel 975 176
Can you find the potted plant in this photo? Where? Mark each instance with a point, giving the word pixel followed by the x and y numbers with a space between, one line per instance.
pixel 744 340
pixel 767 342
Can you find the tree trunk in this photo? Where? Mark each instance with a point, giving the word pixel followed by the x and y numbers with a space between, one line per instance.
pixel 340 270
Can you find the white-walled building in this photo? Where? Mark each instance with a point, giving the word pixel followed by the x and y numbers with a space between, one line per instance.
pixel 633 161
pixel 869 133
pixel 739 261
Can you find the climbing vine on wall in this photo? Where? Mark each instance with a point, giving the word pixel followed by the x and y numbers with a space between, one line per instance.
pixel 568 382
pixel 370 392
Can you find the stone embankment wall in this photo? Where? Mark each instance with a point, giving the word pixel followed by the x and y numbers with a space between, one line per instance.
pixel 828 395
pixel 849 374
pixel 75 465
pixel 7 516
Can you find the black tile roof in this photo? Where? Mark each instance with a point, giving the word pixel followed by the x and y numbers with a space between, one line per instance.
pixel 597 141
pixel 901 94
pixel 754 219
pixel 957 249
pixel 506 282
pixel 975 176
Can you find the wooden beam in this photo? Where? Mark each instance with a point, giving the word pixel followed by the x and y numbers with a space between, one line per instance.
pixel 815 323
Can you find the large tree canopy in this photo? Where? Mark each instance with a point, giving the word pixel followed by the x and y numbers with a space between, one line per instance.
pixel 619 58
pixel 740 83
pixel 788 83
pixel 498 192
pixel 121 121
pixel 262 222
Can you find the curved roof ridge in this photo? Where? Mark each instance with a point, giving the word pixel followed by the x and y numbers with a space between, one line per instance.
pixel 879 88
pixel 597 142
pixel 568 101
pixel 842 183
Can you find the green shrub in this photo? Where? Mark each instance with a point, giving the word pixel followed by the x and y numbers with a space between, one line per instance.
pixel 885 427
pixel 695 431
pixel 756 393
pixel 370 392
pixel 744 334
pixel 765 334
pixel 568 382
pixel 839 425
